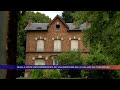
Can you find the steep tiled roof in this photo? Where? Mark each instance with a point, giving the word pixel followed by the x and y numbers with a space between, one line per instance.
pixel 37 26
pixel 43 26
pixel 57 16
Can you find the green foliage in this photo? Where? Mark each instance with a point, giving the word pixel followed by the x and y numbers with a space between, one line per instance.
pixel 51 74
pixel 64 73
pixel 69 58
pixel 37 74
pixel 97 57
pixel 70 73
pixel 45 74
pixel 84 74
pixel 103 37
pixel 21 33
pixel 67 17
pixel 20 61
pixel 105 28
pixel 102 74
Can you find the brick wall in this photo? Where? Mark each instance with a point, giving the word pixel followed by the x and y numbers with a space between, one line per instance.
pixel 49 43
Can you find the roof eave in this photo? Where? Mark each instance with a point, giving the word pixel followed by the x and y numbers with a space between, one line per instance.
pixel 36 30
pixel 74 30
pixel 57 16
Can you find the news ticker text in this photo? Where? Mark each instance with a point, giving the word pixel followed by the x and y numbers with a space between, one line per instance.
pixel 63 67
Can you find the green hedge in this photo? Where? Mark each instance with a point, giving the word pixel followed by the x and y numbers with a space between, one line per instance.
pixel 37 74
pixel 46 74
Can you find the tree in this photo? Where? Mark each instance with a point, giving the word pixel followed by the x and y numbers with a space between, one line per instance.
pixel 67 17
pixel 69 58
pixel 21 33
pixel 105 28
pixel 97 57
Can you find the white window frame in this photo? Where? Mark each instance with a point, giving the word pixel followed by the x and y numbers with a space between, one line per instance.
pixel 38 62
pixel 40 46
pixel 55 62
pixel 57 46
pixel 74 45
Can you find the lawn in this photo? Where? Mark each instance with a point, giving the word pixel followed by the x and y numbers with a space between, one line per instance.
pixel 23 78
pixel 61 78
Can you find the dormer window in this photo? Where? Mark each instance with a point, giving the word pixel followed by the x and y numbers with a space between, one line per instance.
pixel 38 28
pixel 77 27
pixel 57 25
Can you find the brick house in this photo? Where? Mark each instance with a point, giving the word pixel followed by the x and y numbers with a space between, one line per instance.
pixel 46 40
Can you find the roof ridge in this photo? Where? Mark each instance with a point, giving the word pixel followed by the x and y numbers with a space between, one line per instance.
pixel 60 18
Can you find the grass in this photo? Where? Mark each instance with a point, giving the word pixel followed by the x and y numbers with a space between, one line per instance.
pixel 23 78
pixel 31 78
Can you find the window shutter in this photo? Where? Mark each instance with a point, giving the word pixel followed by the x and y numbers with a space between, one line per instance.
pixel 40 45
pixel 57 45
pixel 74 44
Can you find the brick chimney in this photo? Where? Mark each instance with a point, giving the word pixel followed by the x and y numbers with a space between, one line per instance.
pixel 29 23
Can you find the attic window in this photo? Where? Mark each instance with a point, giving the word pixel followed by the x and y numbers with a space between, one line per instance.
pixel 57 25
pixel 77 27
pixel 38 28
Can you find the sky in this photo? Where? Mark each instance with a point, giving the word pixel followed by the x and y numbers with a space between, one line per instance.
pixel 51 14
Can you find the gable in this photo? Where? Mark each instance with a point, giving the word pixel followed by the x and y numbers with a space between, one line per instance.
pixel 58 17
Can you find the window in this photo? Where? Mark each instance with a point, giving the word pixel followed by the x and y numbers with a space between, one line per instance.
pixel 55 62
pixel 38 28
pixel 40 45
pixel 39 62
pixel 57 45
pixel 74 44
pixel 57 26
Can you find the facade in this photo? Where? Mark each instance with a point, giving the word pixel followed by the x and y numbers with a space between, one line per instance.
pixel 46 40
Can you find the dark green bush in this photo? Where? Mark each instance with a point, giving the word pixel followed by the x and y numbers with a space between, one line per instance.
pixel 20 61
pixel 84 74
pixel 37 74
pixel 45 74
pixel 55 74
pixel 64 73
pixel 51 74
pixel 103 74
pixel 70 58
pixel 97 57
